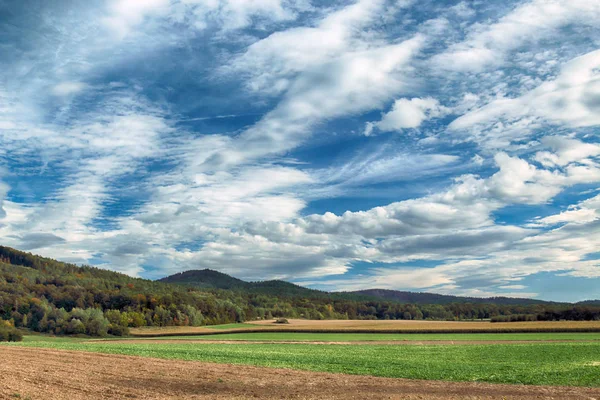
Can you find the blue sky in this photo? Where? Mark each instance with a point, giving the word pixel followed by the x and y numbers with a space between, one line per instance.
pixel 441 146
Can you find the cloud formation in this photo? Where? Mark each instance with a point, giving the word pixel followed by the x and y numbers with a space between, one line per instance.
pixel 408 114
pixel 343 145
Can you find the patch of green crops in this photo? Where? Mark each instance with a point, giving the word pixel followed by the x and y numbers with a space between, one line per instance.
pixel 540 364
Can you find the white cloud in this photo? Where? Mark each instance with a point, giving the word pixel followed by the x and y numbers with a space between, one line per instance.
pixel 565 151
pixel 407 113
pixel 357 82
pixel 570 99
pixel 585 212
pixel 127 17
pixel 381 165
pixel 488 44
pixel 68 88
pixel 353 83
pixel 226 198
pixel 4 188
pixel 579 215
pixel 513 287
pixel 124 15
pixel 391 278
pixel 273 62
pixel 238 14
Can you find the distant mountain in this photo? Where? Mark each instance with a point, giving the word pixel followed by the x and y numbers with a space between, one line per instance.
pixel 433 298
pixel 589 303
pixel 209 279
pixel 283 288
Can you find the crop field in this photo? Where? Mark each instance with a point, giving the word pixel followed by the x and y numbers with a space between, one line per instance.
pixel 374 326
pixel 326 365
pixel 574 364
pixel 42 373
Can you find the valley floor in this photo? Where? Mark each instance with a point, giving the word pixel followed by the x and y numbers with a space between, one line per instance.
pixel 36 373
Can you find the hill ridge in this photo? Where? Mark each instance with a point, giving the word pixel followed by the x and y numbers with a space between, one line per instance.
pixel 202 278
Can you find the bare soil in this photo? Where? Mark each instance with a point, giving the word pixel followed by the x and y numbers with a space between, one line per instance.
pixel 425 325
pixel 58 374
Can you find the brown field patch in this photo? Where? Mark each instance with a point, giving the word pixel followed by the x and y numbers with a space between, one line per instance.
pixel 55 374
pixel 428 325
pixel 381 326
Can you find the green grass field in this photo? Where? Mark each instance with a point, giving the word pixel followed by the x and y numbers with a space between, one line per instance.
pixel 352 337
pixel 576 364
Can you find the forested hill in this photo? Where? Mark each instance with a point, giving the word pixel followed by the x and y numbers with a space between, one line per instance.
pixel 207 278
pixel 45 295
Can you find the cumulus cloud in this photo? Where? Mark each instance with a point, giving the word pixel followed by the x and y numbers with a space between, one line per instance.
pixel 407 113
pixel 565 150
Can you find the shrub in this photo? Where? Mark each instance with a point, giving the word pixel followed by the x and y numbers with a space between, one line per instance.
pixel 10 334
pixel 281 321
pixel 118 330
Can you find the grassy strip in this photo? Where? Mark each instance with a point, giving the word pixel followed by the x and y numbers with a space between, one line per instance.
pixel 351 337
pixel 541 364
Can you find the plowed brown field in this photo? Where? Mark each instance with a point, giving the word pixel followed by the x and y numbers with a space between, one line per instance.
pixel 55 374
pixel 427 325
